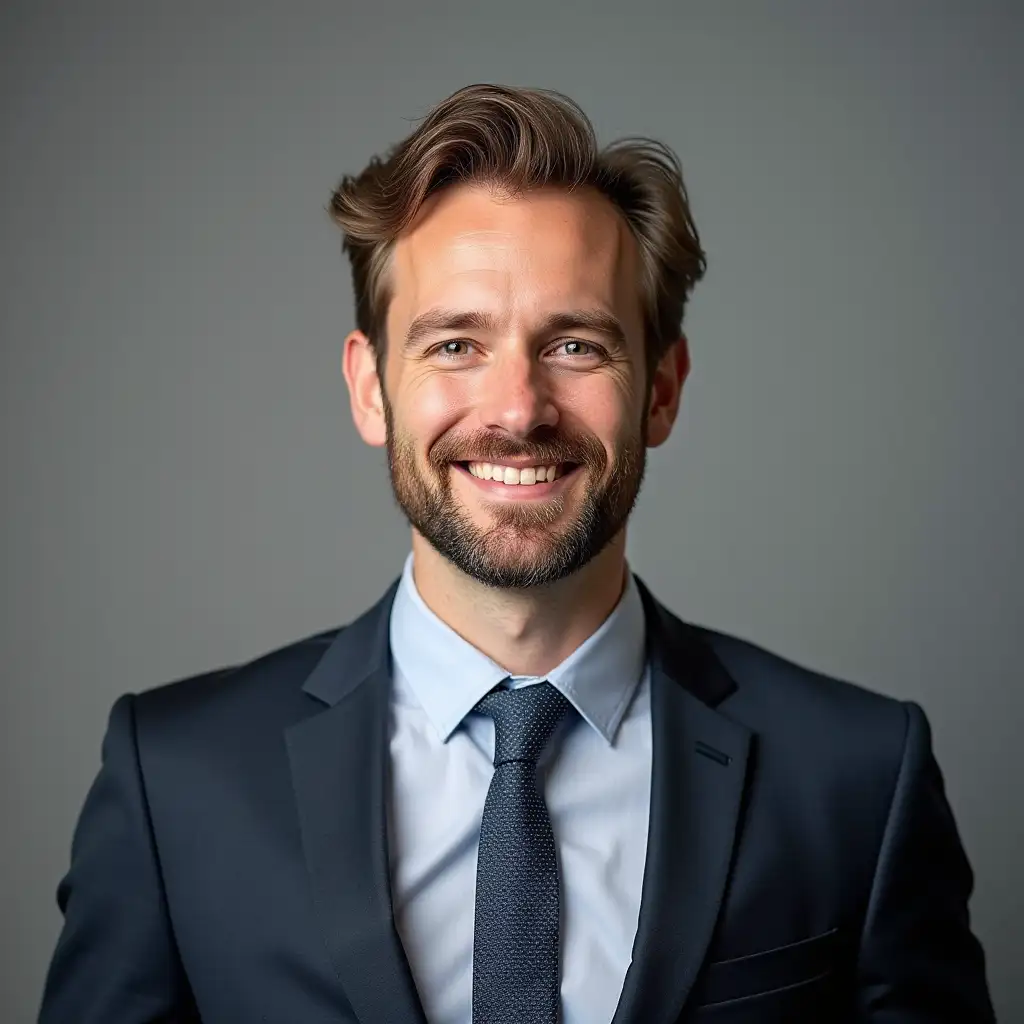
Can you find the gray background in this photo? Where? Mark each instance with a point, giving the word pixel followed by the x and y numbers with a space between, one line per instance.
pixel 182 485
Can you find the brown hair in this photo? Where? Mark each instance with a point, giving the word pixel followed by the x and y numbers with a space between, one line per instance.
pixel 516 139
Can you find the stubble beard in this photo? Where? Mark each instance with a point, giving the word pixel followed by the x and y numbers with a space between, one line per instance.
pixel 524 546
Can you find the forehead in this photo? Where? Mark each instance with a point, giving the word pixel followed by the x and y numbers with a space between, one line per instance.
pixel 544 251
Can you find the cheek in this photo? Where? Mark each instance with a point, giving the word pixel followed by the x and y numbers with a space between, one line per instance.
pixel 432 405
pixel 603 407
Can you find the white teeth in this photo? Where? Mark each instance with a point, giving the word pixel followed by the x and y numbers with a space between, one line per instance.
pixel 512 476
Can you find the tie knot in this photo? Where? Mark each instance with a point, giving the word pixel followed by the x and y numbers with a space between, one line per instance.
pixel 524 720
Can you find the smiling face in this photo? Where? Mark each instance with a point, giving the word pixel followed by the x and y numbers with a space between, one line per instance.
pixel 514 405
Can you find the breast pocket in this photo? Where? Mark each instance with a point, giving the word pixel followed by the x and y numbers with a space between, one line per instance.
pixel 775 984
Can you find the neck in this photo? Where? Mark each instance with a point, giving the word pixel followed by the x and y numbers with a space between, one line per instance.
pixel 527 632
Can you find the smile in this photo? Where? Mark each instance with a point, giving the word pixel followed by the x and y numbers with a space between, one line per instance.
pixel 520 481
pixel 514 475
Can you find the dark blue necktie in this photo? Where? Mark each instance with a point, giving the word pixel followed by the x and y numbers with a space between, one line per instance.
pixel 515 931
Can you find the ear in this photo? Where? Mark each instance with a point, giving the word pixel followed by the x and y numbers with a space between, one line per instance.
pixel 359 363
pixel 666 391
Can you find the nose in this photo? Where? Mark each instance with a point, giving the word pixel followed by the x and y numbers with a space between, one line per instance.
pixel 515 396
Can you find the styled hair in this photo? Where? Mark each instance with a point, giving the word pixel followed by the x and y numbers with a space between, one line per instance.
pixel 515 140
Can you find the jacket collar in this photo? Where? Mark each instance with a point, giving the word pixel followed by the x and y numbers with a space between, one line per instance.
pixel 675 648
pixel 339 763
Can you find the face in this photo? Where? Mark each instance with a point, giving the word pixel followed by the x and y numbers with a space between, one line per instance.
pixel 514 404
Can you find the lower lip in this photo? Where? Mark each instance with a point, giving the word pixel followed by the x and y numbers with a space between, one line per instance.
pixel 520 492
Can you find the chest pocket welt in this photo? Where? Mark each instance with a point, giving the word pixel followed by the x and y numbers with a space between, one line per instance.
pixel 759 973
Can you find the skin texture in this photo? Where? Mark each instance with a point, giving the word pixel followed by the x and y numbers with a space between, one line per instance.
pixel 525 575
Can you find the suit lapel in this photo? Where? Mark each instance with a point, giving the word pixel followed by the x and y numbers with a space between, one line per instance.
pixel 699 767
pixel 338 760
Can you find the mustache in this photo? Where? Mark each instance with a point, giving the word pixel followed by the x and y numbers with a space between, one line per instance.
pixel 545 448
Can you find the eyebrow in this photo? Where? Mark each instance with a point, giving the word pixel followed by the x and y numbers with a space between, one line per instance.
pixel 437 320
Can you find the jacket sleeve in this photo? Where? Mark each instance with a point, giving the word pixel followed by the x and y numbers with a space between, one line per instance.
pixel 115 961
pixel 919 962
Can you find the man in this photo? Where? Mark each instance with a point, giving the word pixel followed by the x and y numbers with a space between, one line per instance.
pixel 518 789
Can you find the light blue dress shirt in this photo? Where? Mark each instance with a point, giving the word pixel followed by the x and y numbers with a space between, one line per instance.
pixel 597 781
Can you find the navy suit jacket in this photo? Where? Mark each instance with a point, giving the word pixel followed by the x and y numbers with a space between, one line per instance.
pixel 230 863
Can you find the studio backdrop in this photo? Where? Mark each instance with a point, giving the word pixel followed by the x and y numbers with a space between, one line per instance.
pixel 182 484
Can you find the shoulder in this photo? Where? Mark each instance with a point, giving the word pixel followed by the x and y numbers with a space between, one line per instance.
pixel 764 673
pixel 819 741
pixel 267 689
pixel 814 715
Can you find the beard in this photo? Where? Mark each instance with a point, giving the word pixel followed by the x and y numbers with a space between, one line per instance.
pixel 526 544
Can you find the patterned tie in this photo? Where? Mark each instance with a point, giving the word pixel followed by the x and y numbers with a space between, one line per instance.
pixel 515 940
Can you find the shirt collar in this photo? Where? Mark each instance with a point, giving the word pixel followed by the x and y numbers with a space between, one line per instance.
pixel 448 675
